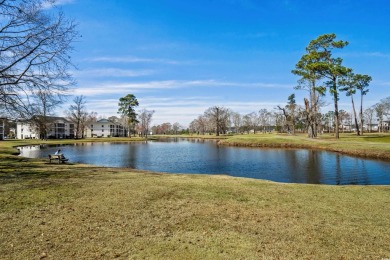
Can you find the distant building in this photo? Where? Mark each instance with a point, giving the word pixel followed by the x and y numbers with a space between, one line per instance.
pixel 57 128
pixel 105 128
pixel 385 127
pixel 371 127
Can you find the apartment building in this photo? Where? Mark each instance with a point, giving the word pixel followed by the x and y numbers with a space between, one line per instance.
pixel 57 128
pixel 105 128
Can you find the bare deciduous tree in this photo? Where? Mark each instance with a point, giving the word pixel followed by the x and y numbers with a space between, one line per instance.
pixel 264 117
pixel 218 118
pixel 289 114
pixel 176 127
pixel 199 125
pixel 236 119
pixel 246 123
pixel 41 107
pixel 254 121
pixel 369 115
pixel 145 118
pixel 77 114
pixel 34 54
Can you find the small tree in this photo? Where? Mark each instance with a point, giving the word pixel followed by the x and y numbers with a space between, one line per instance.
pixel 126 108
pixel 264 117
pixel 246 123
pixel 218 118
pixel 380 110
pixel 145 118
pixel 329 67
pixel 41 109
pixel 289 114
pixel 254 121
pixel 236 119
pixel 369 115
pixel 78 115
pixel 176 127
pixel 345 119
pixel 362 82
pixel 309 81
pixel 349 86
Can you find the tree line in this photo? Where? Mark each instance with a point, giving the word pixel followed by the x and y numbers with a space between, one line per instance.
pixel 290 118
pixel 319 72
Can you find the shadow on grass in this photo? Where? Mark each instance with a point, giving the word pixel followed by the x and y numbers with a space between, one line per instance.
pixel 377 138
pixel 19 169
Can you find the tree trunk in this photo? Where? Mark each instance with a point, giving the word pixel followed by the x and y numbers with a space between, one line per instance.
pixel 129 125
pixel 217 122
pixel 77 128
pixel 336 109
pixel 361 113
pixel 314 112
pixel 354 113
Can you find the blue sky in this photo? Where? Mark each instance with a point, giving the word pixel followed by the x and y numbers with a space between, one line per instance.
pixel 180 57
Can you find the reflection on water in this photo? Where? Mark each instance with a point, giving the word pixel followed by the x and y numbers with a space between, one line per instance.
pixel 206 157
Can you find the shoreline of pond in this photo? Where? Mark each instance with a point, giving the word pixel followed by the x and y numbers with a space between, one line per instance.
pixel 226 160
pixel 364 150
pixel 366 154
pixel 368 150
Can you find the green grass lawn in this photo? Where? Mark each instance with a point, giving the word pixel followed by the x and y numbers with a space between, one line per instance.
pixel 73 211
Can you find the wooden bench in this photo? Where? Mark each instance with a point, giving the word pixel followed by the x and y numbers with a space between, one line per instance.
pixel 57 157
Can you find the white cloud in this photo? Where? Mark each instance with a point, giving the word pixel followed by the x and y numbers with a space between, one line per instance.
pixel 131 59
pixel 112 72
pixel 52 3
pixel 367 54
pixel 383 84
pixel 378 54
pixel 119 87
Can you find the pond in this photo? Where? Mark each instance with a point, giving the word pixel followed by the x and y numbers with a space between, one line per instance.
pixel 206 157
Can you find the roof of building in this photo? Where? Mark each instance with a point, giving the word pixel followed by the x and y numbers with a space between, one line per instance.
pixel 49 118
pixel 104 120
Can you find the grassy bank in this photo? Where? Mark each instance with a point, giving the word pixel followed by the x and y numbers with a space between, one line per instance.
pixel 8 147
pixel 83 211
pixel 368 146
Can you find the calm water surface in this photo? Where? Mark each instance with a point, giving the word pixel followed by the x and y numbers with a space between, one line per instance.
pixel 205 157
